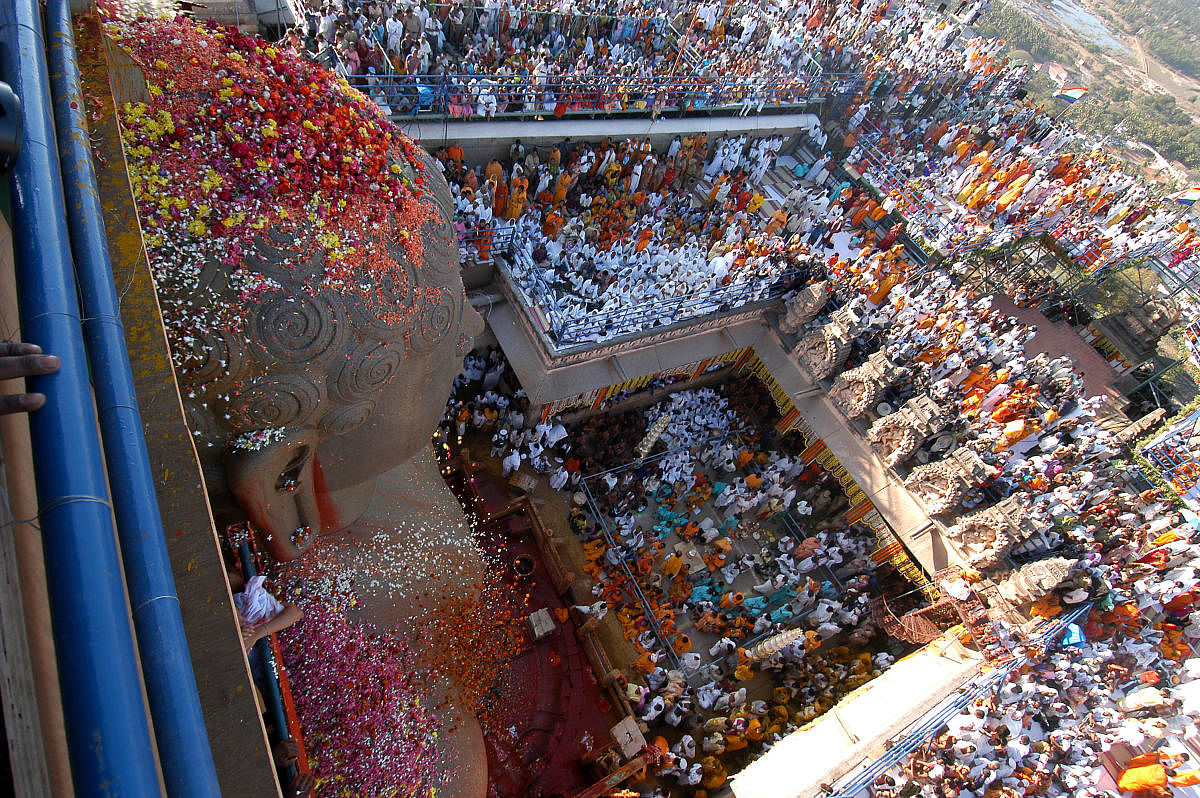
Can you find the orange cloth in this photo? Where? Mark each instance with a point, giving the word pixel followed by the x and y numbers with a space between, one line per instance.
pixel 645 665
pixel 1183 600
pixel 1148 758
pixel 1185 778
pixel 778 220
pixel 1145 777
pixel 561 187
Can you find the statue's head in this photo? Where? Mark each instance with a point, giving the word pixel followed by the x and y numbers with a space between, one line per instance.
pixel 307 270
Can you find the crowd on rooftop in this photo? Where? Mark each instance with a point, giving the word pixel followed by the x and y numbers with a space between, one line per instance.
pixel 1012 170
pixel 494 57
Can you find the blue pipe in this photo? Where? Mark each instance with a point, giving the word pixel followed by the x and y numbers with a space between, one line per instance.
pixel 108 734
pixel 179 731
pixel 273 696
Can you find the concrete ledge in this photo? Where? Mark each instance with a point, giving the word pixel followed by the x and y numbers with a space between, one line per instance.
pixel 857 729
pixel 903 512
pixel 484 139
pixel 545 382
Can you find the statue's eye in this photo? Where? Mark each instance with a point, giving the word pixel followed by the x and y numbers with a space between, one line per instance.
pixel 289 478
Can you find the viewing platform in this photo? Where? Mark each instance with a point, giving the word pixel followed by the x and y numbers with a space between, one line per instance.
pixel 477 97
pixel 481 139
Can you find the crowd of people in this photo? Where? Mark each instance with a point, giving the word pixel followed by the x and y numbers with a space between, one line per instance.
pixel 926 117
pixel 479 59
pixel 1124 552
pixel 993 179
pixel 698 533
pixel 1120 689
pixel 609 231
pixel 676 533
pixel 613 237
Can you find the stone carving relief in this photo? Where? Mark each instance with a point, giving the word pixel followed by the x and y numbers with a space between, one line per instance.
pixel 823 351
pixel 861 388
pixel 1034 580
pixel 987 536
pixel 896 436
pixel 804 306
pixel 941 486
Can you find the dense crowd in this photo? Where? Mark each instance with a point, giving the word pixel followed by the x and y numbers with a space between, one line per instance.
pixel 468 59
pixel 1026 416
pixel 993 179
pixel 699 534
pixel 610 237
pixel 721 541
pixel 601 228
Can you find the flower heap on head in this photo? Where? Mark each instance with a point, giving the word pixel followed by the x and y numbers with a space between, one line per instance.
pixel 258 176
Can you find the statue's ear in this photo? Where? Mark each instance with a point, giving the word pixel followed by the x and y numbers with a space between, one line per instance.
pixel 272 482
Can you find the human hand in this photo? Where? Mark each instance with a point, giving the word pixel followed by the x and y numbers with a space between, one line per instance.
pixel 250 635
pixel 19 359
pixel 302 785
pixel 286 753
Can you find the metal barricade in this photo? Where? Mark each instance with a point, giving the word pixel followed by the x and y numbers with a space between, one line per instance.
pixel 466 96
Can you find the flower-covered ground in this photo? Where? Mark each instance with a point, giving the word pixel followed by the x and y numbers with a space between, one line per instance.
pixel 366 695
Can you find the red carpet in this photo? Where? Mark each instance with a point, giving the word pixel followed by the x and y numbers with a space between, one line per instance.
pixel 543 710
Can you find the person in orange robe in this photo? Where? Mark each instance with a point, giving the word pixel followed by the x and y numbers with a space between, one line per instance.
pixel 644 239
pixel 494 171
pixel 517 197
pixel 561 186
pixel 645 664
pixel 553 223
pixel 1146 775
pixel 500 202
pixel 778 220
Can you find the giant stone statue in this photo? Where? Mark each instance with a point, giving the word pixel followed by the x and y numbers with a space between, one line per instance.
pixel 307 269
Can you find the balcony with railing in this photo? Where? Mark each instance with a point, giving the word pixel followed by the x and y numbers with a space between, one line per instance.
pixel 467 97
pixel 567 322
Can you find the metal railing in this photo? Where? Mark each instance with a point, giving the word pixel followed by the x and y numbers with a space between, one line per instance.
pixel 467 96
pixel 483 244
pixel 928 726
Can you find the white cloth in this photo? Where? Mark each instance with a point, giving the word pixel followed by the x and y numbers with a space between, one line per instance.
pixel 255 603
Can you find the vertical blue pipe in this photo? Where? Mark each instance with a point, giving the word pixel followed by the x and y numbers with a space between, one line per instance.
pixel 179 731
pixel 108 734
pixel 272 697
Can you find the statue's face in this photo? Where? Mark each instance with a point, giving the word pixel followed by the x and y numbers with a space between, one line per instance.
pixel 354 386
pixel 306 267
